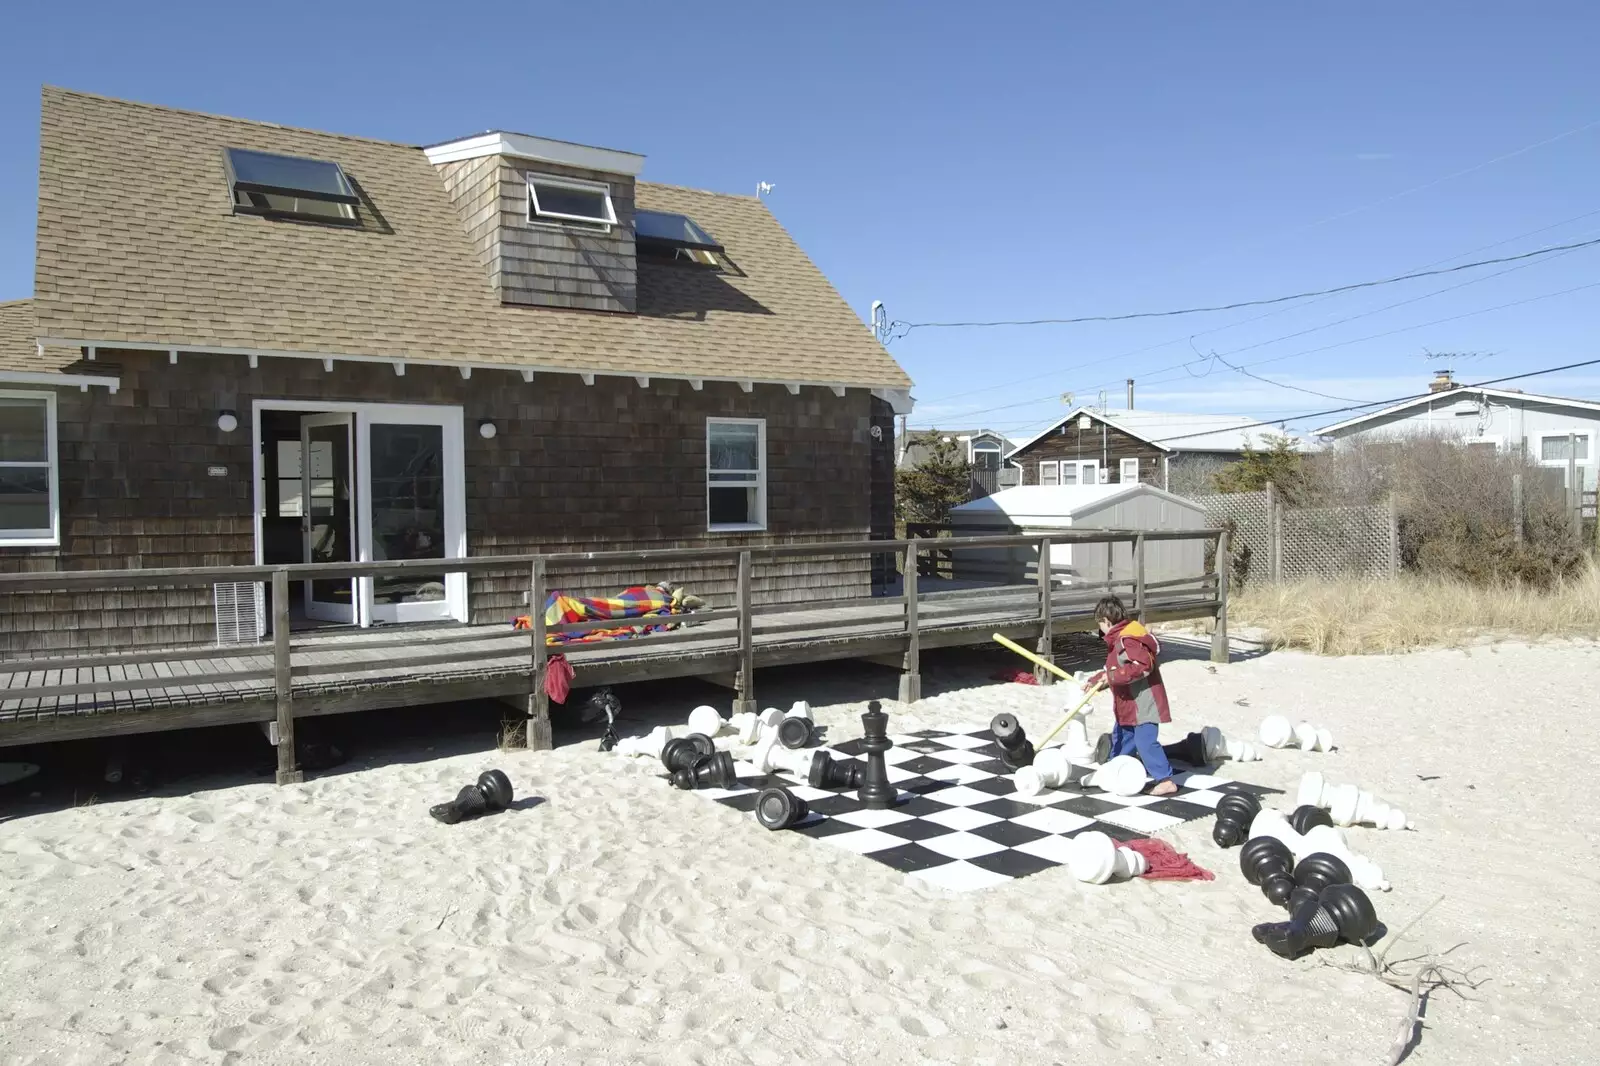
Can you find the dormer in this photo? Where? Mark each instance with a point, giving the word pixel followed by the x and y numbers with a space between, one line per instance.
pixel 553 222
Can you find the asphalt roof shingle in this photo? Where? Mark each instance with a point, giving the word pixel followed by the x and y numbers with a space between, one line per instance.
pixel 138 242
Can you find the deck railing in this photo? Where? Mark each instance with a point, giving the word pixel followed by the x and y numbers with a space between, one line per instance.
pixel 281 678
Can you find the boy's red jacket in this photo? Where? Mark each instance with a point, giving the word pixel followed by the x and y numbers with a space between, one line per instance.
pixel 1134 675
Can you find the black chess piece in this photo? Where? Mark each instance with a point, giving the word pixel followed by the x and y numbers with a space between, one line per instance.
pixel 1339 912
pixel 828 772
pixel 875 791
pixel 708 771
pixel 1235 812
pixel 778 808
pixel 1015 747
pixel 1191 750
pixel 1305 816
pixel 682 753
pixel 491 793
pixel 1266 861
pixel 1319 870
pixel 1102 749
pixel 795 732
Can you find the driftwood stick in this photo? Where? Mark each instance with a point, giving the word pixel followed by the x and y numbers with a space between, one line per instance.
pixel 1413 1016
pixel 1396 938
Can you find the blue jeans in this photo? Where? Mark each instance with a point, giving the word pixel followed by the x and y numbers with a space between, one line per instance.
pixel 1143 741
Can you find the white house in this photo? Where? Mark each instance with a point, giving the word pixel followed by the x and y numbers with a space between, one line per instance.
pixel 1505 419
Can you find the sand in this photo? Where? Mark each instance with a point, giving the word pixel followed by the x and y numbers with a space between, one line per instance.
pixel 618 921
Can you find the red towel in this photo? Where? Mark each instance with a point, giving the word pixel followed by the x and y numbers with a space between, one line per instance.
pixel 1166 862
pixel 1016 675
pixel 558 675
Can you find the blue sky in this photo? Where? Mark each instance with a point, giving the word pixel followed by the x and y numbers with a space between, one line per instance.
pixel 994 161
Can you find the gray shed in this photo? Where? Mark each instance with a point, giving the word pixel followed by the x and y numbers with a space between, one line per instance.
pixel 1038 510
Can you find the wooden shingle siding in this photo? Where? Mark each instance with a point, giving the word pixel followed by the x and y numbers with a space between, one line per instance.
pixel 1074 443
pixel 572 468
pixel 539 264
pixel 474 187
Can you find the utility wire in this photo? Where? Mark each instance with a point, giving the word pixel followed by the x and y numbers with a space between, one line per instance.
pixel 1353 286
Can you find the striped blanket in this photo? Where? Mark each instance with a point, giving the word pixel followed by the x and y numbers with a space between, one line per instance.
pixel 640 601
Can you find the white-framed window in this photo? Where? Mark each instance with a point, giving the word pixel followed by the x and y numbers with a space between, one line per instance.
pixel 564 200
pixel 985 456
pixel 1050 473
pixel 30 484
pixel 1128 471
pixel 736 474
pixel 1080 472
pixel 1553 448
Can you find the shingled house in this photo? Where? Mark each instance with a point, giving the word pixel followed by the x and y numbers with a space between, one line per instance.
pixel 256 344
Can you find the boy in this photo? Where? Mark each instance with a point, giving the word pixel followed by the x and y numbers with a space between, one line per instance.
pixel 1138 698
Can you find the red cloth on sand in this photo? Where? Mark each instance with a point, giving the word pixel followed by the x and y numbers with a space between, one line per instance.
pixel 558 676
pixel 1166 862
pixel 1016 675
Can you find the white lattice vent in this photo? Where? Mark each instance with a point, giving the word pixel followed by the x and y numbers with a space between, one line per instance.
pixel 239 605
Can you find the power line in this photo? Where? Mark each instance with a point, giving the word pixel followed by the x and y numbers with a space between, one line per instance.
pixel 1353 286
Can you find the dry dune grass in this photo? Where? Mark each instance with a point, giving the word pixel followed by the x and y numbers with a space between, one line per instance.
pixel 1383 617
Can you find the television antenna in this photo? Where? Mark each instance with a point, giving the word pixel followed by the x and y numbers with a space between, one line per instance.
pixel 763 188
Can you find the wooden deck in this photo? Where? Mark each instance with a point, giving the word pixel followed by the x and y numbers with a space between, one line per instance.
pixel 340 670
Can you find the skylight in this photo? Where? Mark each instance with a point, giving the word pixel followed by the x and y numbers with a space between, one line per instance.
pixel 663 232
pixel 570 200
pixel 290 187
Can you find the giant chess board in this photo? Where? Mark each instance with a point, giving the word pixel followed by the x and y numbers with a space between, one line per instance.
pixel 958 822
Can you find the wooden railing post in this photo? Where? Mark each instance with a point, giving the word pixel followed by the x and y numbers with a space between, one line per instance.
pixel 911 676
pixel 1138 575
pixel 746 691
pixel 283 680
pixel 539 736
pixel 1047 644
pixel 1219 632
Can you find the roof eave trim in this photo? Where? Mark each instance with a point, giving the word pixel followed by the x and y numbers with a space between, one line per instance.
pixel 538 149
pixel 39 377
pixel 1076 411
pixel 1506 394
pixel 892 394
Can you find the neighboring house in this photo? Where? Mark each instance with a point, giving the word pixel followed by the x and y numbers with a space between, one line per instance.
pixel 251 344
pixel 1504 419
pixel 984 450
pixel 1176 452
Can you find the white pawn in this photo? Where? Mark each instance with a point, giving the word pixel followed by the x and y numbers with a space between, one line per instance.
pixel 769 755
pixel 1121 776
pixel 1076 742
pixel 1050 769
pixel 1270 823
pixel 1348 804
pixel 1095 859
pixel 1313 738
pixel 1366 874
pixel 747 724
pixel 650 744
pixel 771 717
pixel 1276 732
pixel 1219 745
pixel 706 720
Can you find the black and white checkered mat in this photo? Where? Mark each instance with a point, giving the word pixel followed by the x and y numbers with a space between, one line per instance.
pixel 959 823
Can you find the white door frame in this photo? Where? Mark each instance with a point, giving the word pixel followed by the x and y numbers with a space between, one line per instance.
pixel 365 414
pixel 328 612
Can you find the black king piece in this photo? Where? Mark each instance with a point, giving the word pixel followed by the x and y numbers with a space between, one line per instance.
pixel 876 791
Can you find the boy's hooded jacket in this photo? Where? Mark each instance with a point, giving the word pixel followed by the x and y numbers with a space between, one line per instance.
pixel 1134 676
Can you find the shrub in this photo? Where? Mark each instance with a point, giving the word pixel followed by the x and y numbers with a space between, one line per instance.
pixel 942 480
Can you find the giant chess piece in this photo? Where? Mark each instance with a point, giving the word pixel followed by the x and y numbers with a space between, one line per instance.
pixel 1075 741
pixel 1094 858
pixel 1339 912
pixel 709 771
pixel 1365 873
pixel 746 725
pixel 1305 816
pixel 491 793
pixel 1209 745
pixel 1016 750
pixel 778 808
pixel 1123 775
pixel 1350 805
pixel 1235 812
pixel 1276 732
pixel 797 730
pixel 875 793
pixel 1051 768
pixel 828 772
pixel 706 721
pixel 683 752
pixel 650 744
pixel 1267 862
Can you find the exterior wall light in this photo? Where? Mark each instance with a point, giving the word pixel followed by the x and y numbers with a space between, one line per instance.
pixel 486 430
pixel 227 421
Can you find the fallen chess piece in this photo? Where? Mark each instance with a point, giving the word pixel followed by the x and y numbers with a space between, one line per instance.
pixel 1267 862
pixel 1363 871
pixel 492 793
pixel 681 753
pixel 1339 912
pixel 1094 858
pixel 1276 732
pixel 778 808
pixel 649 744
pixel 706 721
pixel 1015 748
pixel 1350 805
pixel 1303 817
pixel 769 755
pixel 827 772
pixel 1121 776
pixel 746 725
pixel 797 730
pixel 1235 812
pixel 1208 746
pixel 1051 768
pixel 1314 873
pixel 709 771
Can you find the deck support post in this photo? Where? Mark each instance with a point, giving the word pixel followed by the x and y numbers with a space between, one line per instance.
pixel 539 736
pixel 1224 569
pixel 745 696
pixel 283 680
pixel 1047 644
pixel 911 677
pixel 1138 576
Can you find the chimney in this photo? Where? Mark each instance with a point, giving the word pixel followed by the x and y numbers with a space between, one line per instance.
pixel 1130 394
pixel 1443 381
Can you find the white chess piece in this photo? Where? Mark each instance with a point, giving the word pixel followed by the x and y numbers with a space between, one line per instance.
pixel 1313 738
pixel 1121 776
pixel 1349 805
pixel 747 725
pixel 1076 742
pixel 706 720
pixel 1271 823
pixel 649 744
pixel 800 709
pixel 1051 768
pixel 1276 732
pixel 1095 858
pixel 1221 746
pixel 1366 874
pixel 769 755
